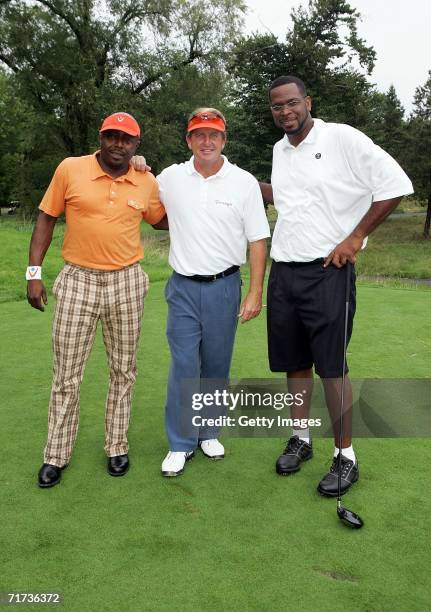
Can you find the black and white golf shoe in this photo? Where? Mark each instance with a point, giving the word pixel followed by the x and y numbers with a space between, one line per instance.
pixel 294 454
pixel 328 486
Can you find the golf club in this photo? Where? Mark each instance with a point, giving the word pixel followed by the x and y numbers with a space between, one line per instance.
pixel 349 518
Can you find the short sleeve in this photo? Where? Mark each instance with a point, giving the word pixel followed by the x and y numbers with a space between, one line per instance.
pixel 373 166
pixel 155 211
pixel 53 202
pixel 161 181
pixel 255 221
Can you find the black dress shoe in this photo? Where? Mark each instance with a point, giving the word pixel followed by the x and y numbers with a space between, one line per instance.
pixel 349 474
pixel 119 465
pixel 293 455
pixel 49 475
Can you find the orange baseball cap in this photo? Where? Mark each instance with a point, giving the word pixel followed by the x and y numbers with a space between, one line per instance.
pixel 122 122
pixel 206 120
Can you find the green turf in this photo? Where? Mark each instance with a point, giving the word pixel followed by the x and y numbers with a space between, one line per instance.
pixel 395 250
pixel 15 239
pixel 225 536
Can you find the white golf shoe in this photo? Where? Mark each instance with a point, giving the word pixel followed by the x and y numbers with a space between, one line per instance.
pixel 174 462
pixel 212 449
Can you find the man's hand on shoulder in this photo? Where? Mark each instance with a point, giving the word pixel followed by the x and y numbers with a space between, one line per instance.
pixel 36 294
pixel 140 163
pixel 251 306
pixel 344 252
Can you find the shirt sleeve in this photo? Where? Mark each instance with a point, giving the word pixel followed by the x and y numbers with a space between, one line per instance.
pixel 53 202
pixel 155 211
pixel 373 166
pixel 161 181
pixel 255 222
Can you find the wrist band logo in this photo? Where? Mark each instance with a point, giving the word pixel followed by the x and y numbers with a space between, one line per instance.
pixel 33 273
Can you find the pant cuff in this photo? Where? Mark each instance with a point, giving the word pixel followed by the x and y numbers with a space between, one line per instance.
pixel 56 461
pixel 116 452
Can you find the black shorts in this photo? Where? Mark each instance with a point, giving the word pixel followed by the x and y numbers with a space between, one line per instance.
pixel 306 311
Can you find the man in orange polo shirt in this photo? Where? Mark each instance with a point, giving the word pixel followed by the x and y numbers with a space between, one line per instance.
pixel 104 200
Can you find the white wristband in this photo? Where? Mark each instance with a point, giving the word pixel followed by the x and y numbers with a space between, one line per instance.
pixel 33 273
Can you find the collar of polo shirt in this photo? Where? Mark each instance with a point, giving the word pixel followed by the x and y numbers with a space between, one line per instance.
pixel 309 139
pixel 190 167
pixel 97 171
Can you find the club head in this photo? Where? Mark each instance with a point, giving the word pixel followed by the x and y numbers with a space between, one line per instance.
pixel 349 518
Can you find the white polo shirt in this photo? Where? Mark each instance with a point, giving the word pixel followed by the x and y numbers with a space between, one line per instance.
pixel 323 187
pixel 211 219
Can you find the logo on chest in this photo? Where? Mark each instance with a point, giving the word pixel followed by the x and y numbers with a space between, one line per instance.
pixel 136 204
pixel 223 203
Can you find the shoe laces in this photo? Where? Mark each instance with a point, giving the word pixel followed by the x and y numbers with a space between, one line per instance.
pixel 293 445
pixel 346 465
pixel 170 453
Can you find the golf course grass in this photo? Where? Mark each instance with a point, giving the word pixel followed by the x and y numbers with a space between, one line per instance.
pixel 225 536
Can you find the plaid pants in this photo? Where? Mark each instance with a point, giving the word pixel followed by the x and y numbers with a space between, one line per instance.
pixel 83 297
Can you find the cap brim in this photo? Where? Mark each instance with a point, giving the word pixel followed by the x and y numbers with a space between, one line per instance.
pixel 206 124
pixel 116 128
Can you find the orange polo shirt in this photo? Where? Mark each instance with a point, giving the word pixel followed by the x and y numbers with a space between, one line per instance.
pixel 103 214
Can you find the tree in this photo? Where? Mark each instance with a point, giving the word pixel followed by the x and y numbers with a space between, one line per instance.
pixel 251 131
pixel 419 129
pixel 320 48
pixel 386 125
pixel 163 113
pixel 324 47
pixel 75 61
pixel 18 123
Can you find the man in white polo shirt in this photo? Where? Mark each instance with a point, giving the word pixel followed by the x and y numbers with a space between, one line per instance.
pixel 331 186
pixel 214 209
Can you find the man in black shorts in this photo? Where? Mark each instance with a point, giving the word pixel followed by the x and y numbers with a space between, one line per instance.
pixel 331 186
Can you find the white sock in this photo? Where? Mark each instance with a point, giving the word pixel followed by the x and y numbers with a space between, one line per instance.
pixel 303 434
pixel 348 452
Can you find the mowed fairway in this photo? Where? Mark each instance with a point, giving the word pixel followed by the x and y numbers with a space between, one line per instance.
pixel 230 535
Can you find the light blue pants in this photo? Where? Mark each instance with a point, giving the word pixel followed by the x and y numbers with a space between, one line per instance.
pixel 202 320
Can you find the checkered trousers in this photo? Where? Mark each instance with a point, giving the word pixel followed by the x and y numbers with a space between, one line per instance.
pixel 84 297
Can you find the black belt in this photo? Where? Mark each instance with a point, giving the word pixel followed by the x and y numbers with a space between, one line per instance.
pixel 212 277
pixel 294 264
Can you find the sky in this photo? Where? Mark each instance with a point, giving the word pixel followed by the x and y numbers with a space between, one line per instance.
pixel 398 31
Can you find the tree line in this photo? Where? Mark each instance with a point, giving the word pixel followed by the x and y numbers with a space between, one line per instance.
pixel 65 64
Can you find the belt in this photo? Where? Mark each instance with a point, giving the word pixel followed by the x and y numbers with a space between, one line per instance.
pixel 212 277
pixel 298 264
